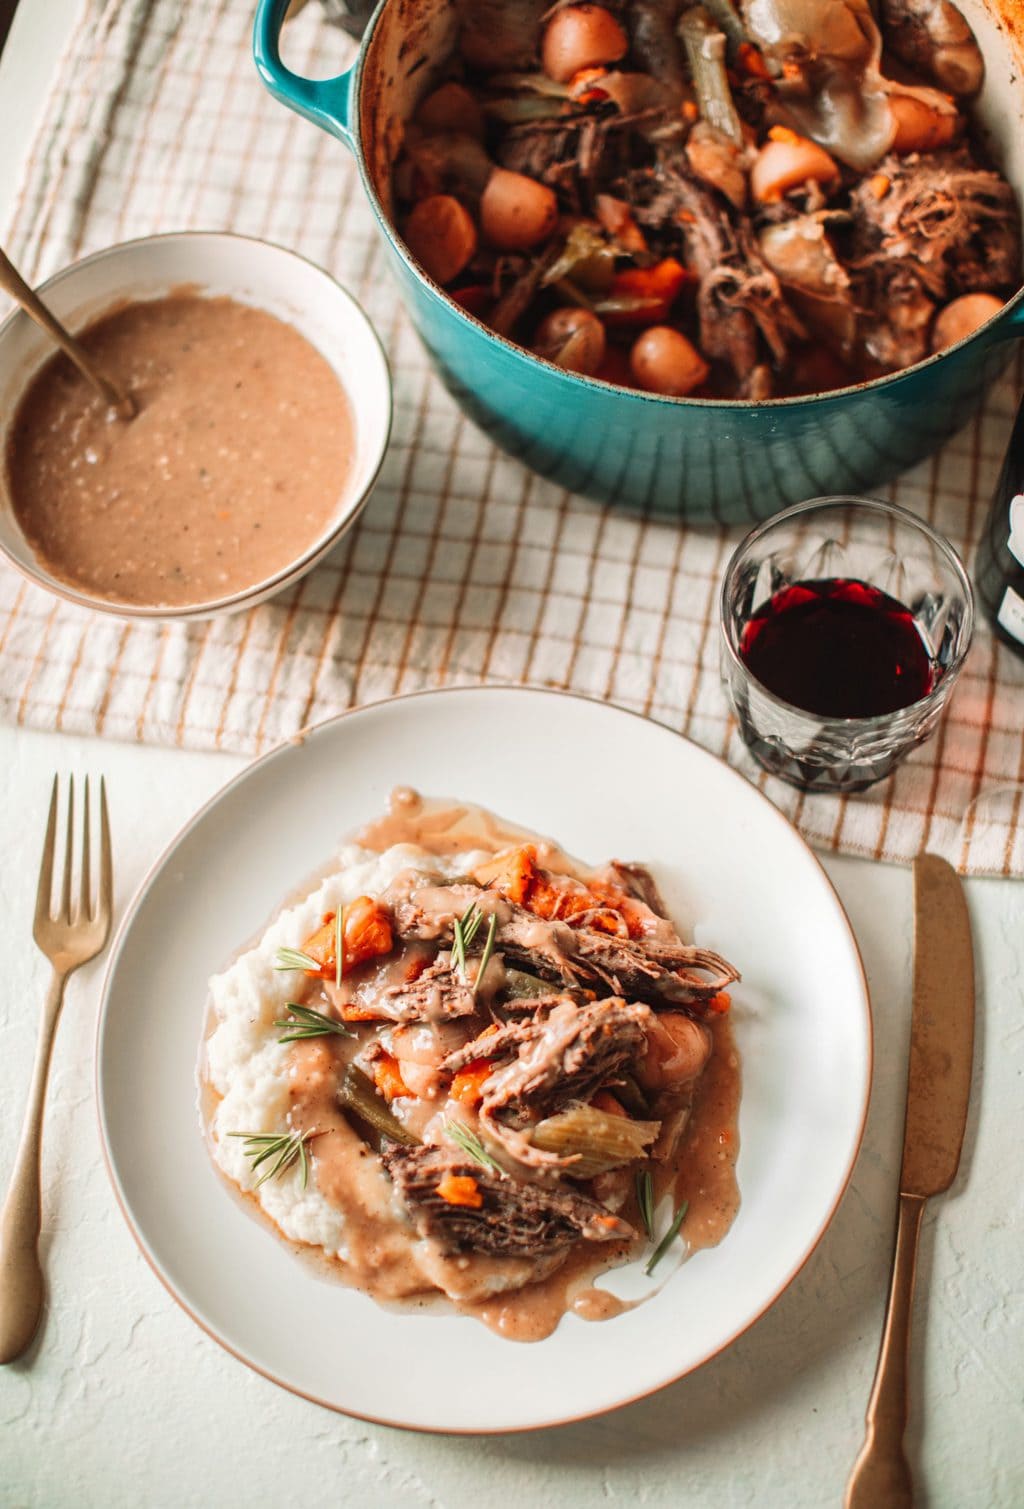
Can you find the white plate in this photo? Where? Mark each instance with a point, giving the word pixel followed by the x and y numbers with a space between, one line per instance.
pixel 605 784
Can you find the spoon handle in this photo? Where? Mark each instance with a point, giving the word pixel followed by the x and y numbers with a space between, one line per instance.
pixel 13 283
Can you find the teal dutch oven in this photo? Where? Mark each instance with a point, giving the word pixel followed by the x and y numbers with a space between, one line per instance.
pixel 704 459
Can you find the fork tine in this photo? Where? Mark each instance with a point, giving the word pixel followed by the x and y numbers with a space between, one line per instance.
pixel 65 890
pixel 84 908
pixel 46 862
pixel 106 896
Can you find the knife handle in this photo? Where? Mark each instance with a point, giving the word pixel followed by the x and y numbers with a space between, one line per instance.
pixel 881 1473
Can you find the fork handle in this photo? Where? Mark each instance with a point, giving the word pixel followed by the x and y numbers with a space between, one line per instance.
pixel 21 1275
pixel 881 1473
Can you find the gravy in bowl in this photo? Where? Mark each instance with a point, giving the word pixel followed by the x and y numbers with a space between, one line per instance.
pixel 231 469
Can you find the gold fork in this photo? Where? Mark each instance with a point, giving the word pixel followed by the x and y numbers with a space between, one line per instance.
pixel 68 940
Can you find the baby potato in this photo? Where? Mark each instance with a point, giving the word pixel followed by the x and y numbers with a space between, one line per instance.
pixel 572 338
pixel 962 317
pixel 919 128
pixel 441 235
pixel 664 361
pixel 787 161
pixel 581 36
pixel 516 212
pixel 678 1049
pixel 451 107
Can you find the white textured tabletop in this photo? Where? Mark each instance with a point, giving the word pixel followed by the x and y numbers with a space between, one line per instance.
pixel 124 1401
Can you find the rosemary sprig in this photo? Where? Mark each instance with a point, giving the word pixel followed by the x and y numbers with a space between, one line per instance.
pixel 294 958
pixel 464 930
pixel 645 1200
pixel 339 945
pixel 667 1240
pixel 303 1022
pixel 285 1148
pixel 485 957
pixel 470 1143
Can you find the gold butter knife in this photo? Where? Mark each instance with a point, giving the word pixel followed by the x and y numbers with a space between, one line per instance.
pixel 938 1090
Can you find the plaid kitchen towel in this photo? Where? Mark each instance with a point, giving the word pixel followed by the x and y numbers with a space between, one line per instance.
pixel 465 567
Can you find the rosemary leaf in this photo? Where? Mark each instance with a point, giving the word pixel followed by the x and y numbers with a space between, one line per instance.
pixel 485 957
pixel 667 1240
pixel 464 930
pixel 285 1148
pixel 339 945
pixel 470 1143
pixel 294 958
pixel 303 1022
pixel 645 1200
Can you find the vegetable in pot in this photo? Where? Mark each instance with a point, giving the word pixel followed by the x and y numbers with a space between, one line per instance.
pixel 580 36
pixel 441 235
pixel 664 361
pixel 573 339
pixel 516 212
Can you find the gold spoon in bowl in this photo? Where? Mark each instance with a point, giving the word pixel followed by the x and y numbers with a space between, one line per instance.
pixel 121 405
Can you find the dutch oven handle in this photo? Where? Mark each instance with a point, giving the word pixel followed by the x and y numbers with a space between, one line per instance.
pixel 328 103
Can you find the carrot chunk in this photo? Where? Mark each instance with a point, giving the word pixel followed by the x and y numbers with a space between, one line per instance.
pixel 468 1084
pixel 460 1189
pixel 511 872
pixel 751 61
pixel 720 1003
pixel 605 1101
pixel 658 286
pixel 367 933
pixel 387 1076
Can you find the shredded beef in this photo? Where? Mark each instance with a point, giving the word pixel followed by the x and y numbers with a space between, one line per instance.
pixel 514 1220
pixel 658 968
pixel 578 159
pixel 648 969
pixel 952 224
pixel 738 295
pixel 435 995
pixel 502 1041
pixel 429 911
pixel 565 1057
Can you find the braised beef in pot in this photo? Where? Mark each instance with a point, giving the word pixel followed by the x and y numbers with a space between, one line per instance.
pixel 738 199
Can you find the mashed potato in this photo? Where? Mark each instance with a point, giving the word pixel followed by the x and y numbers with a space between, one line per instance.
pixel 246 1065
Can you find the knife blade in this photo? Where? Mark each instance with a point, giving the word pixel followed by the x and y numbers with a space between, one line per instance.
pixel 941 1030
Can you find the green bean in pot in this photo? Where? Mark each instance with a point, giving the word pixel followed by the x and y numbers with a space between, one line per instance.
pixel 705 51
pixel 356 1093
pixel 725 16
pixel 598 1140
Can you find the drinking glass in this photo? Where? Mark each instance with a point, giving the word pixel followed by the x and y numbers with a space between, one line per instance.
pixel 854 538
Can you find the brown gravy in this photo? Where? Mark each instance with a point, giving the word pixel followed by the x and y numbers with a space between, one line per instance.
pixel 379 1259
pixel 232 467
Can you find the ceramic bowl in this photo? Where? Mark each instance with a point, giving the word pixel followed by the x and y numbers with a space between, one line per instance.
pixel 251 272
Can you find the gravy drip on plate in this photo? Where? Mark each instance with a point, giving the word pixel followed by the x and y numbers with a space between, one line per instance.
pixel 445 828
pixel 233 466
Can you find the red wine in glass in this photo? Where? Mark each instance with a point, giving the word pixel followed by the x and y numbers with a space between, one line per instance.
pixel 839 648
